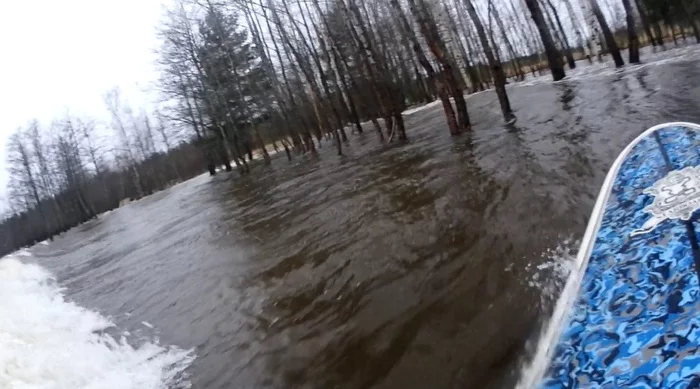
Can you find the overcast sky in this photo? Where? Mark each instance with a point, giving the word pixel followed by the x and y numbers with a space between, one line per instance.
pixel 64 54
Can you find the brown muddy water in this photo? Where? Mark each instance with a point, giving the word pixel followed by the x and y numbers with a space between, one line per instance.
pixel 430 264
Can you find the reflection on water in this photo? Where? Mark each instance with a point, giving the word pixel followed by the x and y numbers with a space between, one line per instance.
pixel 408 266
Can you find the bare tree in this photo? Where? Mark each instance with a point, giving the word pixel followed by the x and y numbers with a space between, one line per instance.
pixel 496 68
pixel 561 32
pixel 555 63
pixel 114 105
pixel 24 185
pixel 607 34
pixel 440 84
pixel 631 33
pixel 71 167
pixel 91 148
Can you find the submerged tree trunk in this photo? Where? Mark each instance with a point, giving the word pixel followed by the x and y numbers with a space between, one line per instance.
pixel 631 33
pixel 497 73
pixel 607 34
pixel 555 63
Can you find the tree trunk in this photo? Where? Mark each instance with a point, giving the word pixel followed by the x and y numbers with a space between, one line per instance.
pixel 333 70
pixel 645 23
pixel 266 155
pixel 656 27
pixel 335 57
pixel 659 34
pixel 567 48
pixel 348 93
pixel 439 85
pixel 352 84
pixel 369 61
pixel 474 71
pixel 286 150
pixel 517 68
pixel 690 13
pixel 577 27
pixel 296 137
pixel 671 31
pixel 553 57
pixel 395 100
pixel 378 128
pixel 530 41
pixel 316 60
pixel 631 32
pixel 437 47
pixel 607 34
pixel 322 124
pixel 499 77
pixel 462 51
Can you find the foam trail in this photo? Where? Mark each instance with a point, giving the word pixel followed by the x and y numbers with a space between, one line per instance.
pixel 560 267
pixel 533 372
pixel 47 342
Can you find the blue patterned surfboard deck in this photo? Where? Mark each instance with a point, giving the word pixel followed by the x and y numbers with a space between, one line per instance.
pixel 633 316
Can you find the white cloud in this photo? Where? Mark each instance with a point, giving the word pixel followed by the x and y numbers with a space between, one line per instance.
pixel 59 55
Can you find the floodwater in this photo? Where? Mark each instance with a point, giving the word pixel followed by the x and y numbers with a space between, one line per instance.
pixel 431 264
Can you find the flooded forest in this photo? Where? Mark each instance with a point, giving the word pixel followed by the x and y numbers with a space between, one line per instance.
pixel 346 193
pixel 246 77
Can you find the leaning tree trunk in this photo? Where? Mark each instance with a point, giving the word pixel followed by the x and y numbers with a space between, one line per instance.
pixel 553 57
pixel 499 77
pixel 631 33
pixel 607 34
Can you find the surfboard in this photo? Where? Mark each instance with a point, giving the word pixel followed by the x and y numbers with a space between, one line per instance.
pixel 629 315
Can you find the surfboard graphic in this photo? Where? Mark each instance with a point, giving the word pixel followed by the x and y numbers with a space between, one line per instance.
pixel 635 318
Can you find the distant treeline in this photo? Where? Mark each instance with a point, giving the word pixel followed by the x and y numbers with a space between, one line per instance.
pixel 238 75
pixel 61 178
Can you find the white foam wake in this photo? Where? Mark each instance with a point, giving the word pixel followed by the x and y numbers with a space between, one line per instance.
pixel 554 278
pixel 47 342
